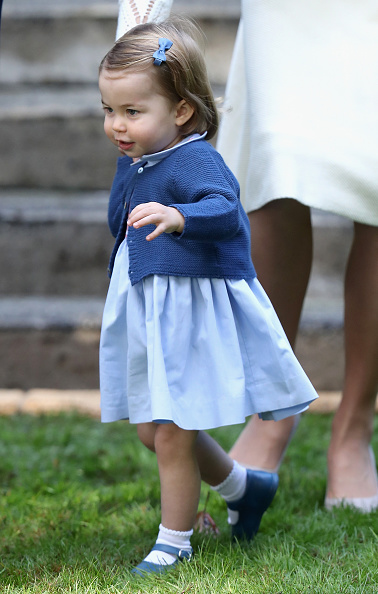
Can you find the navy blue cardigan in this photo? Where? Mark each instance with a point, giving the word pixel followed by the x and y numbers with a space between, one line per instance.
pixel 215 241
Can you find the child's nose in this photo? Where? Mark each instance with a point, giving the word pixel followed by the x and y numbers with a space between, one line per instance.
pixel 119 124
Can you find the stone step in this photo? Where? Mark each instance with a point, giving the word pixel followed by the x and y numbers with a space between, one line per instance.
pixel 109 8
pixel 61 245
pixel 83 313
pixel 50 114
pixel 51 342
pixel 54 243
pixel 64 42
pixel 53 137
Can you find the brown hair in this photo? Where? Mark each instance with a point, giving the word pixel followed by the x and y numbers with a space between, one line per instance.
pixel 182 76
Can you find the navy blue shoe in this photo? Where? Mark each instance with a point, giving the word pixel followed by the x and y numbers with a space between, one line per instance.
pixel 259 494
pixel 146 567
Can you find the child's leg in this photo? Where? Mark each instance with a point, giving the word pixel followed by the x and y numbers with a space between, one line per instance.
pixel 215 466
pixel 180 482
pixel 247 493
pixel 213 462
pixel 180 477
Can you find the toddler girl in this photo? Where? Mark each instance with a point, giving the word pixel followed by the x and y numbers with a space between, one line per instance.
pixel 189 339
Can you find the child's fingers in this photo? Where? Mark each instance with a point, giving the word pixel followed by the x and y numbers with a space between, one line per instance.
pixel 143 210
pixel 137 216
pixel 161 224
pixel 147 219
pixel 158 231
pixel 165 219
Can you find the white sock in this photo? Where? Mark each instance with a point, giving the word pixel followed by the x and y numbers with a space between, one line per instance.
pixel 233 487
pixel 173 538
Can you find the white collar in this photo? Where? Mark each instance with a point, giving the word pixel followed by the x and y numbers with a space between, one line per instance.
pixel 155 158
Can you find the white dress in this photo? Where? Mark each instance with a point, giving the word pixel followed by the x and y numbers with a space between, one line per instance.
pixel 301 106
pixel 134 12
pixel 199 352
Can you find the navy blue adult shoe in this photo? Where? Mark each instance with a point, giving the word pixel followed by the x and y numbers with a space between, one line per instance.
pixel 259 494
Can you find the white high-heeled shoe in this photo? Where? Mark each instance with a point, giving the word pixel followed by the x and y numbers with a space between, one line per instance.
pixel 363 504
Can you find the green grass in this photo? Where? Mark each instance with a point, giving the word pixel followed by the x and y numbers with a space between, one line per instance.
pixel 79 506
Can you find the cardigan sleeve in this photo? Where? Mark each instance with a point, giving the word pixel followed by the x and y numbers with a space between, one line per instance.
pixel 209 198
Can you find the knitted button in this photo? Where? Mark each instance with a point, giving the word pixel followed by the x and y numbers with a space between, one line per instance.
pixel 140 170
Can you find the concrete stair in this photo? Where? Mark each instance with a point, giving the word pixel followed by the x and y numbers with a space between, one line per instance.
pixel 50 54
pixel 56 168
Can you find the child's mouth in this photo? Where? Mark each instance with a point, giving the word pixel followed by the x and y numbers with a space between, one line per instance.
pixel 125 146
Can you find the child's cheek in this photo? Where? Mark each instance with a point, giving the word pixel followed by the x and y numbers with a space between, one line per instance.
pixel 109 132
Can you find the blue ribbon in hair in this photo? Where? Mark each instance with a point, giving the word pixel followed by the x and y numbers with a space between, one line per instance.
pixel 159 55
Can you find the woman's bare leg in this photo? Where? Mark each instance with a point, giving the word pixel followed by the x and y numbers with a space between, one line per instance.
pixel 351 472
pixel 282 254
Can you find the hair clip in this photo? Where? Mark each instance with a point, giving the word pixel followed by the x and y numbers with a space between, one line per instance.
pixel 159 55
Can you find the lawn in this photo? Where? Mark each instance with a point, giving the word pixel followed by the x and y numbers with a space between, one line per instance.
pixel 79 506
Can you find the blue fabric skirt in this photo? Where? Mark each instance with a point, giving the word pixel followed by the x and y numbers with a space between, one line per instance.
pixel 200 352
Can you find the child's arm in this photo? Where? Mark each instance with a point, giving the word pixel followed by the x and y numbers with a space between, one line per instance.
pixel 166 218
pixel 196 182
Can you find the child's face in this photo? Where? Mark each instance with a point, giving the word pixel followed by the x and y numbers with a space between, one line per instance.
pixel 138 119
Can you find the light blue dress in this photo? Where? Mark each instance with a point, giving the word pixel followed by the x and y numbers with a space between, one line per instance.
pixel 200 352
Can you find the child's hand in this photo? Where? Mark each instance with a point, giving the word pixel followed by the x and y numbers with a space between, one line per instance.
pixel 166 218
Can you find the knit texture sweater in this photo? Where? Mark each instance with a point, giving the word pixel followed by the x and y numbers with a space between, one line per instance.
pixel 215 241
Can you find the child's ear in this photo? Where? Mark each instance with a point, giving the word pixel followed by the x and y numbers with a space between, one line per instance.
pixel 184 112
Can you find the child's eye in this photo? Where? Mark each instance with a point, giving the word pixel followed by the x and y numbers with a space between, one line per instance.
pixel 132 112
pixel 107 110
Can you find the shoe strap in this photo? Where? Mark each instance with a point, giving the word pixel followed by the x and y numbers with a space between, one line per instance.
pixel 181 554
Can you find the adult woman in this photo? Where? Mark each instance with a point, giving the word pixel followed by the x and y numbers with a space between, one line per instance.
pixel 300 129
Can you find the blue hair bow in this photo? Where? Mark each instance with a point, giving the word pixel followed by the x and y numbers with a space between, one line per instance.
pixel 159 55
